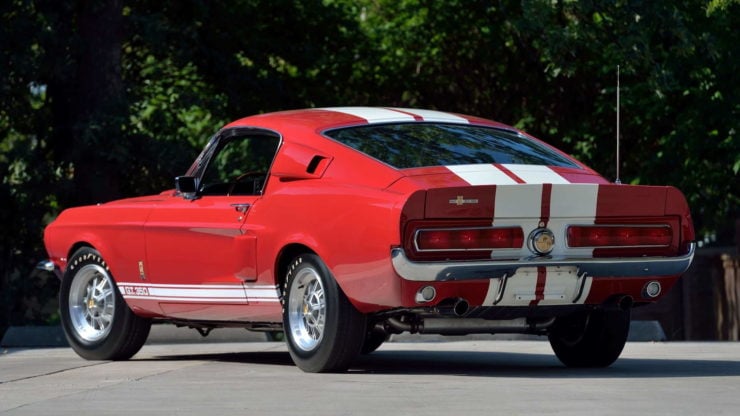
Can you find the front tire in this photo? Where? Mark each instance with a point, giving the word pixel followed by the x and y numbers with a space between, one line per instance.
pixel 590 340
pixel 96 320
pixel 324 332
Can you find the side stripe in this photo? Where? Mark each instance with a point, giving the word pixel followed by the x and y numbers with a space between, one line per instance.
pixel 218 293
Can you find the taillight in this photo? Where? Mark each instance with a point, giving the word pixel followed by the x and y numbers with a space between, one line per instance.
pixel 619 236
pixel 460 240
pixel 469 239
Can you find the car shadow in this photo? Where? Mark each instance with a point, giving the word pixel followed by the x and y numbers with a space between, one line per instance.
pixel 489 364
pixel 507 364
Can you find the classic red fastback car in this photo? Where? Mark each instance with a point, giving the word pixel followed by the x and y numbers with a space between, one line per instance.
pixel 342 226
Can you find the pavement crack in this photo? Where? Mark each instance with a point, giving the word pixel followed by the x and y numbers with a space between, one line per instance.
pixel 51 373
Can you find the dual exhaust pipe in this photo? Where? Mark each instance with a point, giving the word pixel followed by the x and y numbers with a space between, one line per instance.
pixel 451 310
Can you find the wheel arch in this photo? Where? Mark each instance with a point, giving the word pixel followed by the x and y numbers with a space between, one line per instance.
pixel 78 245
pixel 90 243
pixel 282 262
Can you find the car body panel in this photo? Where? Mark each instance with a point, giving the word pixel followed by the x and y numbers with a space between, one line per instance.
pixel 222 258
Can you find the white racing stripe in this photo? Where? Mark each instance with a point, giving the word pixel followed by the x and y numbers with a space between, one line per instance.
pixel 522 205
pixel 262 293
pixel 518 201
pixel 574 201
pixel 481 174
pixel 200 293
pixel 432 115
pixel 391 115
pixel 372 114
pixel 562 287
pixel 535 173
pixel 489 174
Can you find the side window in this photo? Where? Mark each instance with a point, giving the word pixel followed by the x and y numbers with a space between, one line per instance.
pixel 239 166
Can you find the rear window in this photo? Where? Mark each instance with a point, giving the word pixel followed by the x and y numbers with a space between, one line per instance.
pixel 413 145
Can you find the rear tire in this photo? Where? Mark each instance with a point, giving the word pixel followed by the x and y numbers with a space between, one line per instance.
pixel 374 338
pixel 324 332
pixel 590 340
pixel 96 320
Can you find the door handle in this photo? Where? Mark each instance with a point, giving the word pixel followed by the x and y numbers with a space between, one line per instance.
pixel 241 208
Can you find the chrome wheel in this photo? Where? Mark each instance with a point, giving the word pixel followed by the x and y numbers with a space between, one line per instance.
pixel 323 330
pixel 92 303
pixel 307 309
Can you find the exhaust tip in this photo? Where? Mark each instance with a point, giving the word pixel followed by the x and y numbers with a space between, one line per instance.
pixel 461 307
pixel 625 303
pixel 453 307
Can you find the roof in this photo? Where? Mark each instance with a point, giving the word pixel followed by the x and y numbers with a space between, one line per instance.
pixel 320 119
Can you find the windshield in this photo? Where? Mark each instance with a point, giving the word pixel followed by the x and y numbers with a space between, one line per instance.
pixel 413 145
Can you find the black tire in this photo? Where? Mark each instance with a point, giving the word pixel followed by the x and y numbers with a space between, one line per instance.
pixel 590 340
pixel 323 331
pixel 275 336
pixel 374 338
pixel 96 320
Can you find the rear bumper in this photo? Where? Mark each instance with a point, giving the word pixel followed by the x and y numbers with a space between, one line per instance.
pixel 490 269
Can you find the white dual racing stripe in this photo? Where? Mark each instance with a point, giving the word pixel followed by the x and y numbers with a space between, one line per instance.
pixel 200 293
pixel 488 174
pixel 375 115
pixel 535 173
pixel 563 286
pixel 481 174
pixel 530 206
pixel 434 116
pixel 262 293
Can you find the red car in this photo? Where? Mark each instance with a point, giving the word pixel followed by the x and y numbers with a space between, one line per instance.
pixel 342 226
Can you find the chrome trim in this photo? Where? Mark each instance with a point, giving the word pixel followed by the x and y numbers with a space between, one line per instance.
pixel 489 269
pixel 49 266
pixel 241 207
pixel 501 290
pixel 534 235
pixel 46 265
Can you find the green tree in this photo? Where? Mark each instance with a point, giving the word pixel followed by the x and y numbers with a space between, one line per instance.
pixel 104 99
pixel 550 68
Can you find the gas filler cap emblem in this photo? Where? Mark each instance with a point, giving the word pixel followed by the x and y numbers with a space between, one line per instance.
pixel 541 241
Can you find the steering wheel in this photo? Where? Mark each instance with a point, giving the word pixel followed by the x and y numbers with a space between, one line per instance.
pixel 244 175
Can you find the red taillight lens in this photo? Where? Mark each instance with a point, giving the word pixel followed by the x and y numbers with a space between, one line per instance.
pixel 619 236
pixel 469 239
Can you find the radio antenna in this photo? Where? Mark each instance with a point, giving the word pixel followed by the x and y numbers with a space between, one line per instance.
pixel 617 180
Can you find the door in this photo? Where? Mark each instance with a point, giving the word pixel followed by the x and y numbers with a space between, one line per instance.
pixel 197 255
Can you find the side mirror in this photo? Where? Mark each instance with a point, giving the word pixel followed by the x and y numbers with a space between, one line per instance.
pixel 186 186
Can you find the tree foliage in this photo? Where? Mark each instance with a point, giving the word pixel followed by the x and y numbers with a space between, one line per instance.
pixel 104 99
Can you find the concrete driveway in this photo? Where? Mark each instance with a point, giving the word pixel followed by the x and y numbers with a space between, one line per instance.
pixel 401 378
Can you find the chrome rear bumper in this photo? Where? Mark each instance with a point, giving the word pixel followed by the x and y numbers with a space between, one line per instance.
pixel 490 269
